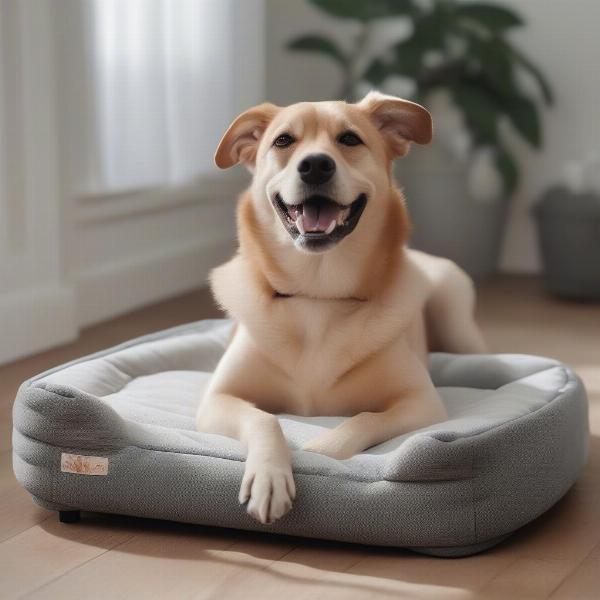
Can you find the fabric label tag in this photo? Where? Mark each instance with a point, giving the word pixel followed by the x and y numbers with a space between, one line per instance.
pixel 83 465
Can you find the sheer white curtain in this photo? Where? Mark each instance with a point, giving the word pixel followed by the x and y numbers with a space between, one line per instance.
pixel 160 88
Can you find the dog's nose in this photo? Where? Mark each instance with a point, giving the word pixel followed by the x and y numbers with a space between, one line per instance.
pixel 316 169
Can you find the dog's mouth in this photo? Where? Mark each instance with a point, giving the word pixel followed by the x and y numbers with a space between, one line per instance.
pixel 319 222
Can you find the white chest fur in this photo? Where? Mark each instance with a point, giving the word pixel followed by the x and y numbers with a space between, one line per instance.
pixel 315 341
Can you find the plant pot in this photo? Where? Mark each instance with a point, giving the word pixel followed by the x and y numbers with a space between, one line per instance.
pixel 446 221
pixel 569 237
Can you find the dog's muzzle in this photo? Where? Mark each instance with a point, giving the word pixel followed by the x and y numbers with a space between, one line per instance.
pixel 319 222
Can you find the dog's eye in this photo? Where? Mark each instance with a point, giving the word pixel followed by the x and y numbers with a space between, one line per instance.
pixel 284 140
pixel 349 139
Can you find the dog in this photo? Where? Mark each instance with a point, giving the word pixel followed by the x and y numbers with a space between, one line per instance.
pixel 334 314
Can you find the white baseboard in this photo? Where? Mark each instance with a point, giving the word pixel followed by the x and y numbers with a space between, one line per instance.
pixel 116 289
pixel 36 319
pixel 40 318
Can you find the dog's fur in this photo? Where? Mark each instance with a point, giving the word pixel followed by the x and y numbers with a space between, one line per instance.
pixel 341 331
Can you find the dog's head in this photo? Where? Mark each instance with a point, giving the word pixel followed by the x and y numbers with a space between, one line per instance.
pixel 322 167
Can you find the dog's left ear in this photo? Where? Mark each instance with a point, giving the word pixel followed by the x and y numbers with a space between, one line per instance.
pixel 399 121
pixel 240 142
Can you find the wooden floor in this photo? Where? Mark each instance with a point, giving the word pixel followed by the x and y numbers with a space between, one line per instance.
pixel 558 556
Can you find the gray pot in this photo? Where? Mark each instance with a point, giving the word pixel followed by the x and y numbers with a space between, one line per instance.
pixel 447 222
pixel 569 236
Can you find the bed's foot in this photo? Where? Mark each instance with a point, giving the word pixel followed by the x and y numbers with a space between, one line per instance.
pixel 69 516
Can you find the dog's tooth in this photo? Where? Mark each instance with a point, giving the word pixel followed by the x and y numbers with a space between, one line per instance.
pixel 300 224
pixel 331 227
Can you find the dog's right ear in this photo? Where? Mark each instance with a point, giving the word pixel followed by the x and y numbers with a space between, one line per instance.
pixel 240 142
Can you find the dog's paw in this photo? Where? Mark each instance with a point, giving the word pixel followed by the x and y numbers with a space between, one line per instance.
pixel 269 490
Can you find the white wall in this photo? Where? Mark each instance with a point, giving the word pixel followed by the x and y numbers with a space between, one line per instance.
pixel 561 36
pixel 36 306
pixel 66 260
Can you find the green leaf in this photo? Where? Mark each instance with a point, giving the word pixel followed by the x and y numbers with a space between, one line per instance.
pixel 508 169
pixel 494 61
pixel 523 114
pixel 533 70
pixel 317 43
pixel 502 51
pixel 493 17
pixel 408 59
pixel 377 72
pixel 366 10
pixel 479 110
pixel 497 72
pixel 430 31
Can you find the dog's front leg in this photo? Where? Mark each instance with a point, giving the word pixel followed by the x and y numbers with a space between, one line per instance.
pixel 268 483
pixel 370 428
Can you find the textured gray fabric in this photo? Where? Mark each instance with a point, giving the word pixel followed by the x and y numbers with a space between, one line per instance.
pixel 515 440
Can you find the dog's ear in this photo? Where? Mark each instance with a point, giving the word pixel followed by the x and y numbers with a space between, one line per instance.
pixel 240 142
pixel 399 121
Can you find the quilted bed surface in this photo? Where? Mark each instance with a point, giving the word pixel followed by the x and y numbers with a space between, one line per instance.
pixel 514 443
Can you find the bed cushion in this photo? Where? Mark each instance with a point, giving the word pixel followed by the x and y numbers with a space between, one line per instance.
pixel 114 432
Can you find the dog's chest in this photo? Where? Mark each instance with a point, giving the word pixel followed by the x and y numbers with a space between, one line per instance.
pixel 318 351
pixel 317 341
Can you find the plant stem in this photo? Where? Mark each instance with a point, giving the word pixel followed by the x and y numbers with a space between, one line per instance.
pixel 445 74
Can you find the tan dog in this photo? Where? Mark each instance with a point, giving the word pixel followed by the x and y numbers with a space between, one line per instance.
pixel 335 315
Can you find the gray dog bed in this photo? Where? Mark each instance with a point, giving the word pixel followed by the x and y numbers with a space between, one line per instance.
pixel 114 433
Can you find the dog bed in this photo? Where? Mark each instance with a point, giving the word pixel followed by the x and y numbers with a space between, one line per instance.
pixel 114 433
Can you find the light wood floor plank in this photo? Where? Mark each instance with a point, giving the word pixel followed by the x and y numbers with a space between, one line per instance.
pixel 584 582
pixel 530 578
pixel 302 573
pixel 47 551
pixel 7 478
pixel 164 564
pixel 18 513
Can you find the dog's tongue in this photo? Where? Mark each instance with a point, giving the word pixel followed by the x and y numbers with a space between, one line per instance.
pixel 317 216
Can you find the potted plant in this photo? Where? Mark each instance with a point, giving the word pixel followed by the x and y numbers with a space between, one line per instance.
pixel 458 52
